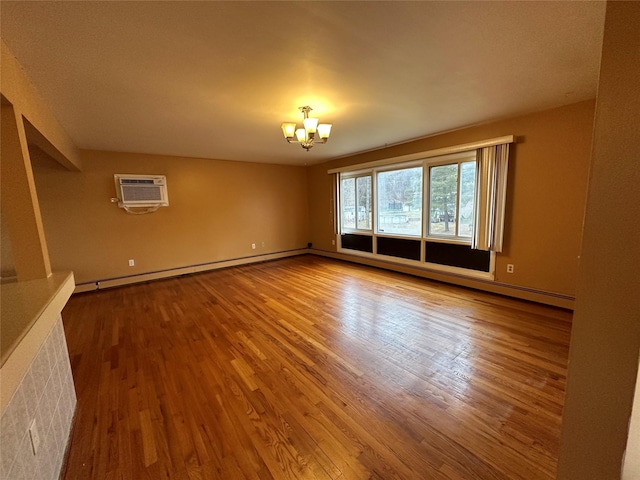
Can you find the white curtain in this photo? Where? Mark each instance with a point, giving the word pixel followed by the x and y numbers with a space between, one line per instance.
pixel 335 198
pixel 492 164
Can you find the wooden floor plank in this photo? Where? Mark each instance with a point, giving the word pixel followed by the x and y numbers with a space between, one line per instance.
pixel 309 367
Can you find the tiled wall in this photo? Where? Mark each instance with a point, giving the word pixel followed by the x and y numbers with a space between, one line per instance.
pixel 47 395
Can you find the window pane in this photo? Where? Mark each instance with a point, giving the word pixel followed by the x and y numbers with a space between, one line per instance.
pixel 443 192
pixel 348 200
pixel 400 201
pixel 363 202
pixel 467 198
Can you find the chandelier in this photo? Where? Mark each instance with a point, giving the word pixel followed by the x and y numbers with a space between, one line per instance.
pixel 311 134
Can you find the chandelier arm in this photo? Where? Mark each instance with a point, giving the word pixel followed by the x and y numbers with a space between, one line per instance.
pixel 310 137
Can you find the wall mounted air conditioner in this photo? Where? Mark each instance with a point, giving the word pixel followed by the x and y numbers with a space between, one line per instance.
pixel 141 190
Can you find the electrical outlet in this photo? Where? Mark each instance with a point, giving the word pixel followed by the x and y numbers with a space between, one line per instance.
pixel 510 268
pixel 262 244
pixel 132 262
pixel 333 242
pixel 35 438
pixel 253 246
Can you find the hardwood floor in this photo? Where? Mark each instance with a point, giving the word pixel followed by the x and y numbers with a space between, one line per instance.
pixel 311 368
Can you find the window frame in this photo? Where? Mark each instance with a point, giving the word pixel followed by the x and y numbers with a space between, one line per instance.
pixel 423 237
pixel 425 164
pixel 355 176
pixel 424 158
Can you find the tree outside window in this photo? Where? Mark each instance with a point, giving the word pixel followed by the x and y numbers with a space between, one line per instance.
pixel 449 214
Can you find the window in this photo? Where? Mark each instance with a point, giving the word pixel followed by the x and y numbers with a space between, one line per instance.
pixel 355 203
pixel 348 202
pixel 442 209
pixel 451 199
pixel 400 201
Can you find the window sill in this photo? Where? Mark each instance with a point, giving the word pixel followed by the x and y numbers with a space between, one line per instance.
pixel 455 240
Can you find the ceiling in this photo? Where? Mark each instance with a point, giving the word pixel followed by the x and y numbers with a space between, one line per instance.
pixel 216 79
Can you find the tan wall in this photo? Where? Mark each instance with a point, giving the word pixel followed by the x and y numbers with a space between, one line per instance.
pixel 605 338
pixel 25 117
pixel 216 210
pixel 43 128
pixel 7 266
pixel 546 193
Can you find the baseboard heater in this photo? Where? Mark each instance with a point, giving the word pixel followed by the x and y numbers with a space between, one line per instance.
pixel 523 293
pixel 185 270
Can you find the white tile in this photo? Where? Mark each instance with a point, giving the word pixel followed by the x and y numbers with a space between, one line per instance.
pixel 66 364
pixel 67 413
pixel 52 449
pixel 67 386
pixel 70 406
pixel 67 419
pixel 47 406
pixel 9 442
pixel 74 398
pixel 52 337
pixel 62 340
pixel 65 371
pixel 64 336
pixel 39 370
pixel 46 455
pixel 60 351
pixel 56 394
pixel 43 357
pixel 56 383
pixel 43 468
pixel 56 467
pixel 72 395
pixel 62 377
pixel 63 403
pixel 58 426
pixel 30 395
pixel 47 394
pixel 42 417
pixel 56 336
pixel 26 457
pixel 18 409
pixel 16 472
pixel 49 344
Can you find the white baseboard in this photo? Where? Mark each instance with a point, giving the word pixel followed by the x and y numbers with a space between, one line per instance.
pixel 175 272
pixel 524 293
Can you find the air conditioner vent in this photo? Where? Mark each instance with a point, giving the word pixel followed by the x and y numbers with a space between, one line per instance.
pixel 141 190
pixel 136 181
pixel 133 193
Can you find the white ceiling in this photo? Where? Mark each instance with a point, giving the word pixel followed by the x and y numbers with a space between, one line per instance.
pixel 216 79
